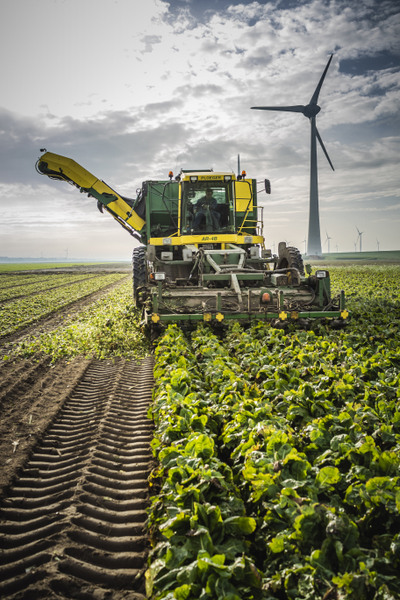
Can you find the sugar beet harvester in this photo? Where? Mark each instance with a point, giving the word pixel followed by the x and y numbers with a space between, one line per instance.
pixel 203 255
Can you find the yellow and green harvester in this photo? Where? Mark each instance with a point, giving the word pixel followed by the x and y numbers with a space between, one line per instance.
pixel 200 253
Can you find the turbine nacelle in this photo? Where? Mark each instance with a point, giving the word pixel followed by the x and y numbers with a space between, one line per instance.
pixel 311 110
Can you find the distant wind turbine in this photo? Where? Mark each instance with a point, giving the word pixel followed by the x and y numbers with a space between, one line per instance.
pixel 310 111
pixel 328 238
pixel 360 233
pixel 377 243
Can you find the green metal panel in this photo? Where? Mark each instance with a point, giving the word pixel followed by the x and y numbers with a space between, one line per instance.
pixel 161 208
pixel 227 277
pixel 247 317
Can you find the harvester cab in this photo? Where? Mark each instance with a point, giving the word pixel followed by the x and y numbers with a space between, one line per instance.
pixel 202 254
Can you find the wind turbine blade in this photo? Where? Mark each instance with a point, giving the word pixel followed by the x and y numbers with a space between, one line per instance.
pixel 315 95
pixel 323 148
pixel 299 108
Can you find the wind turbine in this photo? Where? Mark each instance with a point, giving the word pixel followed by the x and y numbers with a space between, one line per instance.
pixel 310 111
pixel 328 238
pixel 360 233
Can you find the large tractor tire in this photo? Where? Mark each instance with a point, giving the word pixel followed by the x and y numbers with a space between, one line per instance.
pixel 139 272
pixel 289 257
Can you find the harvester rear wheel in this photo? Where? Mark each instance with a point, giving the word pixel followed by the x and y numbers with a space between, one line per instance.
pixel 290 257
pixel 139 271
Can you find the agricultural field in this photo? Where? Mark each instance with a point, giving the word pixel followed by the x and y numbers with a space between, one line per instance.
pixel 24 299
pixel 279 456
pixel 277 452
pixel 33 266
pixel 106 328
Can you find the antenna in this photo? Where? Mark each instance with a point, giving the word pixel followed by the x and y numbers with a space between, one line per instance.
pixel 310 111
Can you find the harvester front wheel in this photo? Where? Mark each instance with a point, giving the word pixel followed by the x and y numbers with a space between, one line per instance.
pixel 139 272
pixel 290 257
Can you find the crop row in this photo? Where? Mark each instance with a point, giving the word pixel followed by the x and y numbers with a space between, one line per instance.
pixel 21 312
pixel 8 281
pixel 34 266
pixel 37 286
pixel 367 282
pixel 106 328
pixel 279 459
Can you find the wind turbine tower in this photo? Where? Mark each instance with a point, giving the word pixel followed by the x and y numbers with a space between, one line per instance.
pixel 310 111
pixel 360 233
pixel 328 239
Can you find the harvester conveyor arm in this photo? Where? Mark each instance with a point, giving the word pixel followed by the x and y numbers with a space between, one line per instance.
pixel 56 166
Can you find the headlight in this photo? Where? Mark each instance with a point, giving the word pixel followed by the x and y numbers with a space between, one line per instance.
pixel 158 276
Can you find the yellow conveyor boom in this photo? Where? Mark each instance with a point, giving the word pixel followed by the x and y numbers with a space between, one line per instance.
pixel 56 166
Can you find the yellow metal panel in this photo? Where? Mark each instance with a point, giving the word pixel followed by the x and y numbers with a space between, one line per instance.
pixel 243 192
pixel 122 209
pixel 119 206
pixel 207 176
pixel 70 168
pixel 184 240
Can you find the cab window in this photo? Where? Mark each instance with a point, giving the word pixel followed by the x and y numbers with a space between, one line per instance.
pixel 207 207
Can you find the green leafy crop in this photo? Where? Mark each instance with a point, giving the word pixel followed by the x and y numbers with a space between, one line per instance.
pixel 279 457
pixel 106 328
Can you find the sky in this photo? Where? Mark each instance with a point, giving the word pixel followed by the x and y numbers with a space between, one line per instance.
pixel 132 89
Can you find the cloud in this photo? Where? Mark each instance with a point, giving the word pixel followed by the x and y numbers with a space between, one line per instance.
pixel 174 86
pixel 149 41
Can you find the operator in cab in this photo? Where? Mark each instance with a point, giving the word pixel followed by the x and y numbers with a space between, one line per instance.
pixel 206 211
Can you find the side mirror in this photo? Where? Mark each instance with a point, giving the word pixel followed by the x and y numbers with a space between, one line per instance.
pixel 267 185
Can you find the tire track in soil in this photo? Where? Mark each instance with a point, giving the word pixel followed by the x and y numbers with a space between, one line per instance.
pixel 73 522
pixel 31 394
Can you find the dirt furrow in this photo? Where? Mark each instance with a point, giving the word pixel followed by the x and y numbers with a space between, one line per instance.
pixel 73 521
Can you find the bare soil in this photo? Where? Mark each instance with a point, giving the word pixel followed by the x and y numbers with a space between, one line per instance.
pixel 31 393
pixel 75 456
